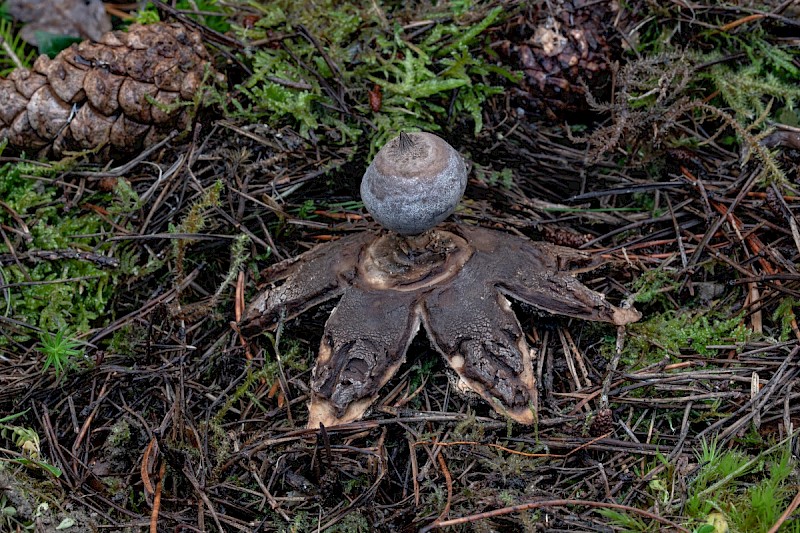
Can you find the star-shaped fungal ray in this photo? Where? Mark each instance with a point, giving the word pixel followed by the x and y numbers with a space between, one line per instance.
pixel 539 274
pixel 472 325
pixel 319 275
pixel 364 343
pixel 456 280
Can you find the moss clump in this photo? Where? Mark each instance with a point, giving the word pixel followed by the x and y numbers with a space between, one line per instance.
pixel 58 294
pixel 651 284
pixel 344 67
pixel 120 433
pixel 730 487
pixel 672 332
pixel 784 315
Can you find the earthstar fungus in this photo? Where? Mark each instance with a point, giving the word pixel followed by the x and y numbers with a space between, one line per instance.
pixel 454 280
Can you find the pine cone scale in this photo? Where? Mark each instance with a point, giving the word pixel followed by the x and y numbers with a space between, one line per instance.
pixel 12 103
pixel 27 82
pixel 89 127
pixel 129 131
pixel 165 99
pixel 102 90
pixel 65 79
pixel 562 46
pixel 22 134
pixel 47 114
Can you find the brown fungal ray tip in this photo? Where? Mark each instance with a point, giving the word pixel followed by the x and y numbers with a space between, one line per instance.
pixel 456 284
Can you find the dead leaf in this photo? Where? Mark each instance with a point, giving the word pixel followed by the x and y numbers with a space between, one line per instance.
pixel 86 19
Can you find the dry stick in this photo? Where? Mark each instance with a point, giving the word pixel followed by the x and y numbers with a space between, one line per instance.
pixel 720 220
pixel 157 499
pixel 24 230
pixel 552 503
pixel 736 23
pixel 273 503
pixel 88 422
pixel 239 306
pixel 756 247
pixel 187 471
pixel 787 412
pixel 676 451
pixel 583 446
pixel 123 170
pixel 102 261
pixel 578 357
pixel 540 362
pixel 755 403
pixel 10 53
pixel 752 241
pixel 787 214
pixel 144 468
pixel 56 448
pixel 414 470
pixel 607 384
pixel 116 12
pixel 449 482
pixel 434 452
pixel 676 226
pixel 568 357
pixel 208 33
pixel 612 367
pixel 631 226
pixel 146 308
pixel 361 499
pixel 281 374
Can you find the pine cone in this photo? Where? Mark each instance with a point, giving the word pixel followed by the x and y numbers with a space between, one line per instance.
pixel 603 423
pixel 560 46
pixel 97 95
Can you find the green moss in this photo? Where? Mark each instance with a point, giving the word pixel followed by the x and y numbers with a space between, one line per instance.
pixel 212 13
pixel 333 54
pixel 784 315
pixel 750 492
pixel 194 222
pixel 651 284
pixel 672 332
pixel 60 352
pixel 120 433
pixel 744 492
pixel 769 74
pixel 294 357
pixel 51 294
pixel 494 178
pixel 353 522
